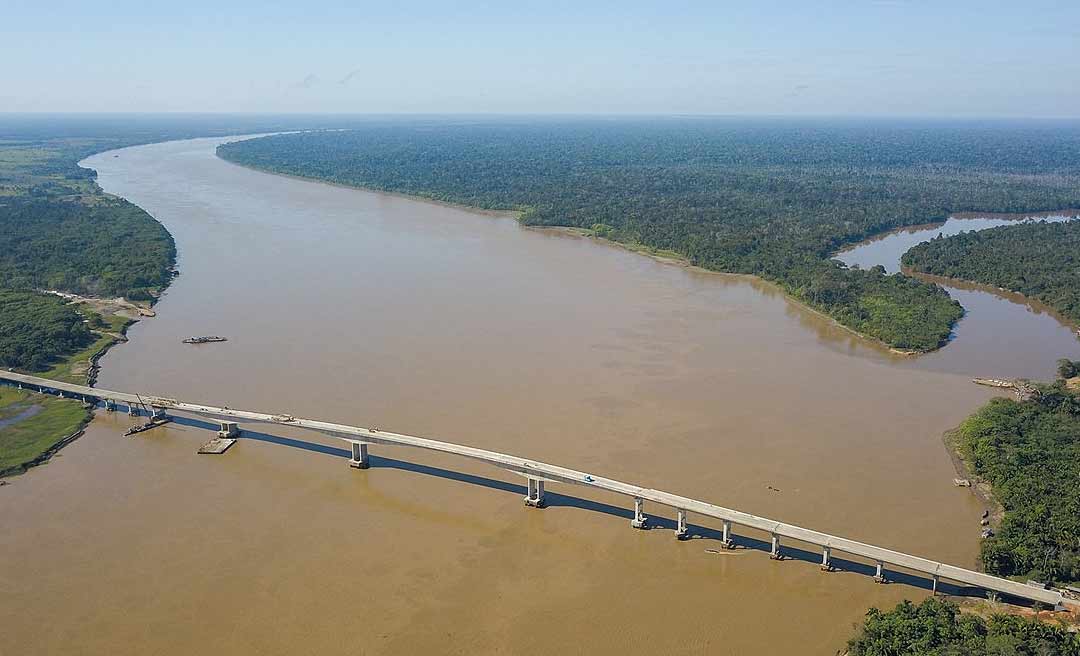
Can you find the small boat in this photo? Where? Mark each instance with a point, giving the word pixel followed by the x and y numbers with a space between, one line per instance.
pixel 205 339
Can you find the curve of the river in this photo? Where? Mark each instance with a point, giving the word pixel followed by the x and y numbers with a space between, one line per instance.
pixel 376 310
pixel 1002 334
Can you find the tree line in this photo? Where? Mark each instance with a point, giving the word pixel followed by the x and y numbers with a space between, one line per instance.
pixel 936 627
pixel 1040 260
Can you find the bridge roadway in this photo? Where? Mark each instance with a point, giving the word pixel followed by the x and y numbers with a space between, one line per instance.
pixel 538 473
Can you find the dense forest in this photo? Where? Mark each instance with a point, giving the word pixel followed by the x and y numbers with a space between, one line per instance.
pixel 773 198
pixel 936 627
pixel 36 328
pixel 105 248
pixel 1029 452
pixel 1040 260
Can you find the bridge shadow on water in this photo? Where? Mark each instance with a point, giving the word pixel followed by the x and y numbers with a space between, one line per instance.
pixel 558 500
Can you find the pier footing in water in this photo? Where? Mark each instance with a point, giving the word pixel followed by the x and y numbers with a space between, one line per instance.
pixel 217 445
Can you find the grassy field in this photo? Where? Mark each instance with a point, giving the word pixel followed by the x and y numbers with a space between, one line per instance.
pixel 44 421
pixel 25 440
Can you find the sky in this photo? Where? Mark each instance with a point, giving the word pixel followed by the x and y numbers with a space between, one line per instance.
pixel 868 58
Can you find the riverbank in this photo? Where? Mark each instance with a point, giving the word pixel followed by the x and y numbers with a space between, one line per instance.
pixel 721 215
pixel 1021 458
pixel 663 256
pixel 675 259
pixel 1029 258
pixel 34 427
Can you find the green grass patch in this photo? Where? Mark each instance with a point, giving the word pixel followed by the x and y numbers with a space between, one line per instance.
pixel 25 440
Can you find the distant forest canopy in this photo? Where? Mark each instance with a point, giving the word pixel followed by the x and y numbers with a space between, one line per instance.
pixel 775 198
pixel 1039 260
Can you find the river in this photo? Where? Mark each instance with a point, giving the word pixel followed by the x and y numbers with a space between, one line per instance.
pixel 1002 334
pixel 372 309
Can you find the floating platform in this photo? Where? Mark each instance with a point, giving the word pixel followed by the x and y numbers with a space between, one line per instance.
pixel 153 423
pixel 207 339
pixel 217 445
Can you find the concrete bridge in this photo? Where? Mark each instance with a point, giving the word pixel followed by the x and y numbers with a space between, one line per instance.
pixel 539 474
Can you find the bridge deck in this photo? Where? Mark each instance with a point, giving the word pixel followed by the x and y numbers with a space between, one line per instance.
pixel 556 473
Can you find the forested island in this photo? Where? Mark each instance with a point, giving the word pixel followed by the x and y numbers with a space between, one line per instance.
pixel 773 198
pixel 1040 260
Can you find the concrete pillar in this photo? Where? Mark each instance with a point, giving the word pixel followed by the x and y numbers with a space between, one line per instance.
pixel 639 520
pixel 359 455
pixel 935 579
pixel 774 553
pixel 727 541
pixel 681 532
pixel 158 413
pixel 132 411
pixel 535 498
pixel 20 385
pixel 228 429
pixel 880 576
pixel 61 393
pixel 109 405
pixel 825 566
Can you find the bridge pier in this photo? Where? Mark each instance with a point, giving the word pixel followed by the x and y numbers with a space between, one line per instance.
pixel 132 411
pixel 935 580
pixel 110 406
pixel 639 520
pixel 726 540
pixel 880 576
pixel 774 553
pixel 359 456
pixel 681 532
pixel 228 429
pixel 825 566
pixel 158 413
pixel 535 498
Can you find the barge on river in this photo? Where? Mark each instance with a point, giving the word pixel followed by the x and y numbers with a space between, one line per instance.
pixel 207 339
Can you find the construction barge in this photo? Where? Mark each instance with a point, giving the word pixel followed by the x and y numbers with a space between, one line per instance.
pixel 207 339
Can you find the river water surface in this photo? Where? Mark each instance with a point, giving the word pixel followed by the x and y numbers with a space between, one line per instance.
pixel 371 309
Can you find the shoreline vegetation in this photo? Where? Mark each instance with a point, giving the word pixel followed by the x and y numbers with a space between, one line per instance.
pixel 1023 459
pixel 1038 260
pixel 65 243
pixel 663 256
pixel 65 237
pixel 675 259
pixel 770 199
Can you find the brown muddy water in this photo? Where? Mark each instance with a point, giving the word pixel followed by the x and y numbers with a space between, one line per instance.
pixel 377 310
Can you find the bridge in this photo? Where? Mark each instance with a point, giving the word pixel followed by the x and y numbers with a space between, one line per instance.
pixel 538 474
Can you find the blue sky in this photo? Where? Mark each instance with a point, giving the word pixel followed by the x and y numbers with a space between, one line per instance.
pixel 874 57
